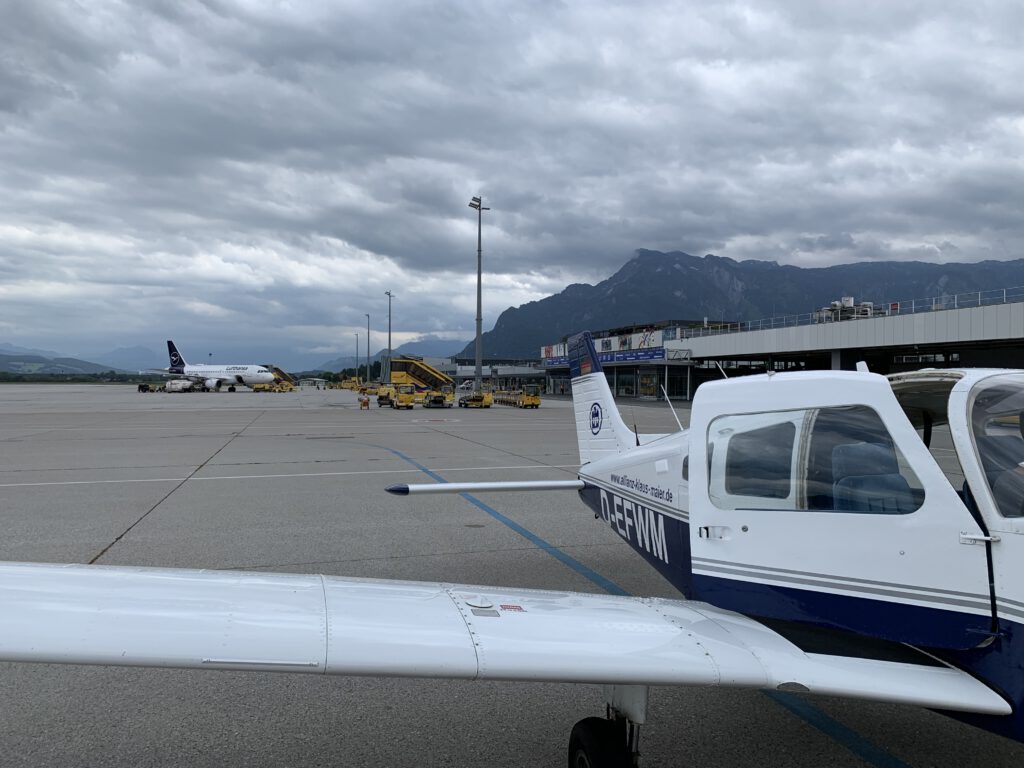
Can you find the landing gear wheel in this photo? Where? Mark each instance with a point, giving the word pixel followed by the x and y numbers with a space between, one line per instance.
pixel 231 389
pixel 599 743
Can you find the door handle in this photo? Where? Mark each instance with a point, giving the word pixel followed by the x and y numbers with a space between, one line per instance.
pixel 714 532
pixel 974 538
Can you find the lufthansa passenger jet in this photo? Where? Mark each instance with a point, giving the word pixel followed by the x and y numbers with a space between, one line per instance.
pixel 214 376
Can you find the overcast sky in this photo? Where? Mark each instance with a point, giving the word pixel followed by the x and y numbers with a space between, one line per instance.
pixel 248 174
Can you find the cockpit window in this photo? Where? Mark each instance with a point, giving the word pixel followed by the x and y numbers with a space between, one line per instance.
pixel 998 433
pixel 853 465
pixel 840 459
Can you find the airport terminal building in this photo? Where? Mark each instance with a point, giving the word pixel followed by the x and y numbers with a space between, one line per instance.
pixel 978 329
pixel 638 361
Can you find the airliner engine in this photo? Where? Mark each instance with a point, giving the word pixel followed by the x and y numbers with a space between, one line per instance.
pixel 212 384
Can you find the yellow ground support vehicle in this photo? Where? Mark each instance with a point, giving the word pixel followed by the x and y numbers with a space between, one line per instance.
pixel 277 386
pixel 443 398
pixel 352 382
pixel 409 369
pixel 529 397
pixel 281 376
pixel 283 382
pixel 385 395
pixel 368 389
pixel 404 397
pixel 427 382
pixel 477 400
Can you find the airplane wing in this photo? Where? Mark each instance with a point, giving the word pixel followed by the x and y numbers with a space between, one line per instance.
pixel 329 625
pixel 171 374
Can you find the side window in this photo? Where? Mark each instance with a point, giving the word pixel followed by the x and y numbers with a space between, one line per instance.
pixel 853 465
pixel 757 463
pixel 839 459
pixel 751 460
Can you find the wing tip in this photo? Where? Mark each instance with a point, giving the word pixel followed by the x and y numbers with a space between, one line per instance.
pixel 400 489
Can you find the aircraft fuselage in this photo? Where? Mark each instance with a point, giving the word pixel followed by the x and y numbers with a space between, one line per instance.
pixel 769 507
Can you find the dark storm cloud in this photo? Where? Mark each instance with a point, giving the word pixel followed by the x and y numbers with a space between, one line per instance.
pixel 262 168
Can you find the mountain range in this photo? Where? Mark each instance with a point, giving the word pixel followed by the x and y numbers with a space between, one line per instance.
pixel 15 359
pixel 651 287
pixel 13 350
pixel 655 286
pixel 20 362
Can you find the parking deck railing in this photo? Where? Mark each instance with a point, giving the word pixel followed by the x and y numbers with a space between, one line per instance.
pixel 864 312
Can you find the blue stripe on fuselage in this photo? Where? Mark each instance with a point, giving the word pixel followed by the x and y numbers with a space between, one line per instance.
pixel 662 540
pixel 895 621
pixel 1000 664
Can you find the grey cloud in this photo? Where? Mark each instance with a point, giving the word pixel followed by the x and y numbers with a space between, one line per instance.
pixel 830 242
pixel 287 166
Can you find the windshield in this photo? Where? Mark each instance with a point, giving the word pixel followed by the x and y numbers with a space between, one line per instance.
pixel 924 400
pixel 995 411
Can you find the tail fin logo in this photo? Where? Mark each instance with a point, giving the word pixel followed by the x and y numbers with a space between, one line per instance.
pixel 596 418
pixel 177 361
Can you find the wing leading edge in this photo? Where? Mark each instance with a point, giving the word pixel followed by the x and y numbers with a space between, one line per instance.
pixel 330 625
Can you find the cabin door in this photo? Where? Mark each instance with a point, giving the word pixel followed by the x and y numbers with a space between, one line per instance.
pixel 824 506
pixel 986 417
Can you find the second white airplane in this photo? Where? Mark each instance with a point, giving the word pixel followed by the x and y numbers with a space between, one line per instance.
pixel 215 376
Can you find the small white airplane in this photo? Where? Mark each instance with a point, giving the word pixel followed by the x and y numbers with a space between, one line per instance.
pixel 822 540
pixel 213 377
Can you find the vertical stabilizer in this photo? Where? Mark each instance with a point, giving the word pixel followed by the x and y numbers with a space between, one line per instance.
pixel 177 361
pixel 600 430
